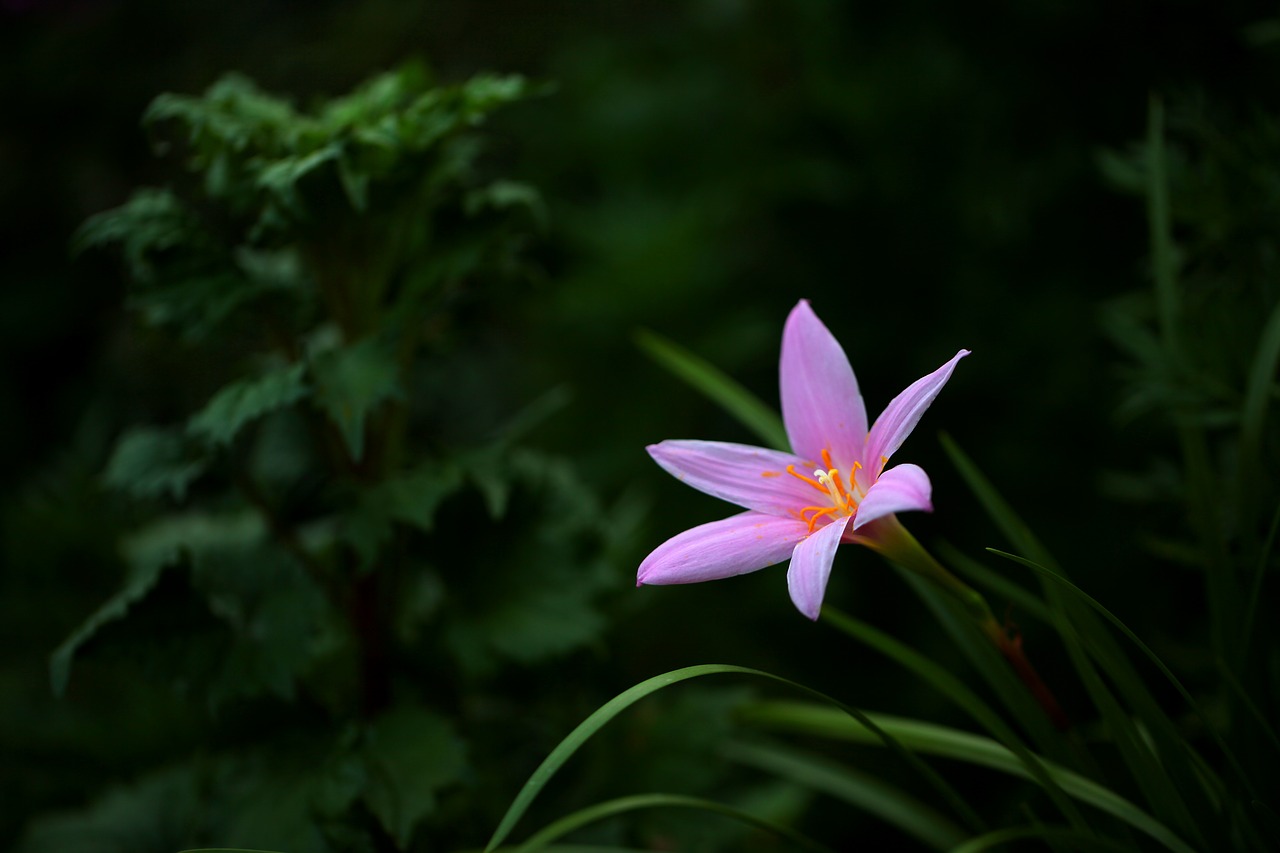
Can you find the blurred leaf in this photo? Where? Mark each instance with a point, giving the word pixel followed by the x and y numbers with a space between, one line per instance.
pixel 160 813
pixel 532 593
pixel 151 223
pixel 246 400
pixel 413 754
pixel 732 397
pixel 414 496
pixel 272 620
pixel 507 195
pixel 150 461
pixel 350 382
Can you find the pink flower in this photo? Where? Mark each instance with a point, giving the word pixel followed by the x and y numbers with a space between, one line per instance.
pixel 833 488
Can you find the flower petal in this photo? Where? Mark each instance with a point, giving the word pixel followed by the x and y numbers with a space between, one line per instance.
pixel 811 566
pixel 821 405
pixel 900 489
pixel 900 417
pixel 750 477
pixel 720 549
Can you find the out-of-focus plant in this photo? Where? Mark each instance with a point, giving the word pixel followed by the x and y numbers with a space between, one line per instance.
pixel 1150 762
pixel 340 538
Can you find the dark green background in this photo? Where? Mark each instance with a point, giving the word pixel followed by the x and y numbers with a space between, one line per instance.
pixel 925 173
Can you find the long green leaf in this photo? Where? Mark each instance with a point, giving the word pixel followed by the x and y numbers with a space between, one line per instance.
pixel 945 742
pixel 1076 620
pixel 1262 381
pixel 1000 837
pixel 1221 743
pixel 567 747
pixel 1159 218
pixel 868 793
pixel 1023 599
pixel 609 808
pixel 711 381
pixel 958 692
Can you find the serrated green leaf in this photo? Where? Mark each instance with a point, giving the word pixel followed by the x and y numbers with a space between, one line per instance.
pixel 151 461
pixel 244 401
pixel 147 554
pixel 269 619
pixel 137 584
pixel 414 753
pixel 414 496
pixel 350 382
pixel 506 195
pixel 151 222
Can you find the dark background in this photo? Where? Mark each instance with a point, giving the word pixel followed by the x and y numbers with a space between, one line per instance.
pixel 925 173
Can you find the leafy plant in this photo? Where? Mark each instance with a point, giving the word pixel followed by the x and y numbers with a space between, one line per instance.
pixel 310 489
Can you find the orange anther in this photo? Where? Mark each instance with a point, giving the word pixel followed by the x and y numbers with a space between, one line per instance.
pixel 791 469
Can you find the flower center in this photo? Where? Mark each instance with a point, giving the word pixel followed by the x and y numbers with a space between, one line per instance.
pixel 844 499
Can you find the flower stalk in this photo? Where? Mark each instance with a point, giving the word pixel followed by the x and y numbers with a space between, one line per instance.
pixel 889 538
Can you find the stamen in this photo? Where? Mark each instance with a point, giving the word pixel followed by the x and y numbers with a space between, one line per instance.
pixel 818 512
pixel 828 479
pixel 791 469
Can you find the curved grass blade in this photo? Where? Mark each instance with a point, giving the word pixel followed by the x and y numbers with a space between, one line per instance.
pixel 865 792
pixel 564 848
pixel 1243 697
pixel 588 727
pixel 945 742
pixel 1260 573
pixel 610 808
pixel 1024 599
pixel 711 381
pixel 1000 837
pixel 994 668
pixel 1144 648
pixel 958 692
pixel 1262 379
pixel 1078 622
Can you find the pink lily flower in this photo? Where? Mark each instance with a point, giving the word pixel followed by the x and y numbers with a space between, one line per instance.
pixel 834 487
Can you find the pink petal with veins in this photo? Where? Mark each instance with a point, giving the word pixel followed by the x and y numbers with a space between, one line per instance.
pixel 720 549
pixel 821 405
pixel 902 488
pixel 900 417
pixel 751 477
pixel 811 567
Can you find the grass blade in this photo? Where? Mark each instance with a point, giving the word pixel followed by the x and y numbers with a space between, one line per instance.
pixel 955 690
pixel 1146 650
pixel 944 742
pixel 1073 839
pixel 567 747
pixel 621 805
pixel 719 387
pixel 865 792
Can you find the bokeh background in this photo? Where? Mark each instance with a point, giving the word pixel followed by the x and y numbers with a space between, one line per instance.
pixel 930 175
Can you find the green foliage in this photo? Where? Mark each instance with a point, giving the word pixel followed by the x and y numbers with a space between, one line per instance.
pixel 245 401
pixel 311 530
pixel 149 462
pixel 350 382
